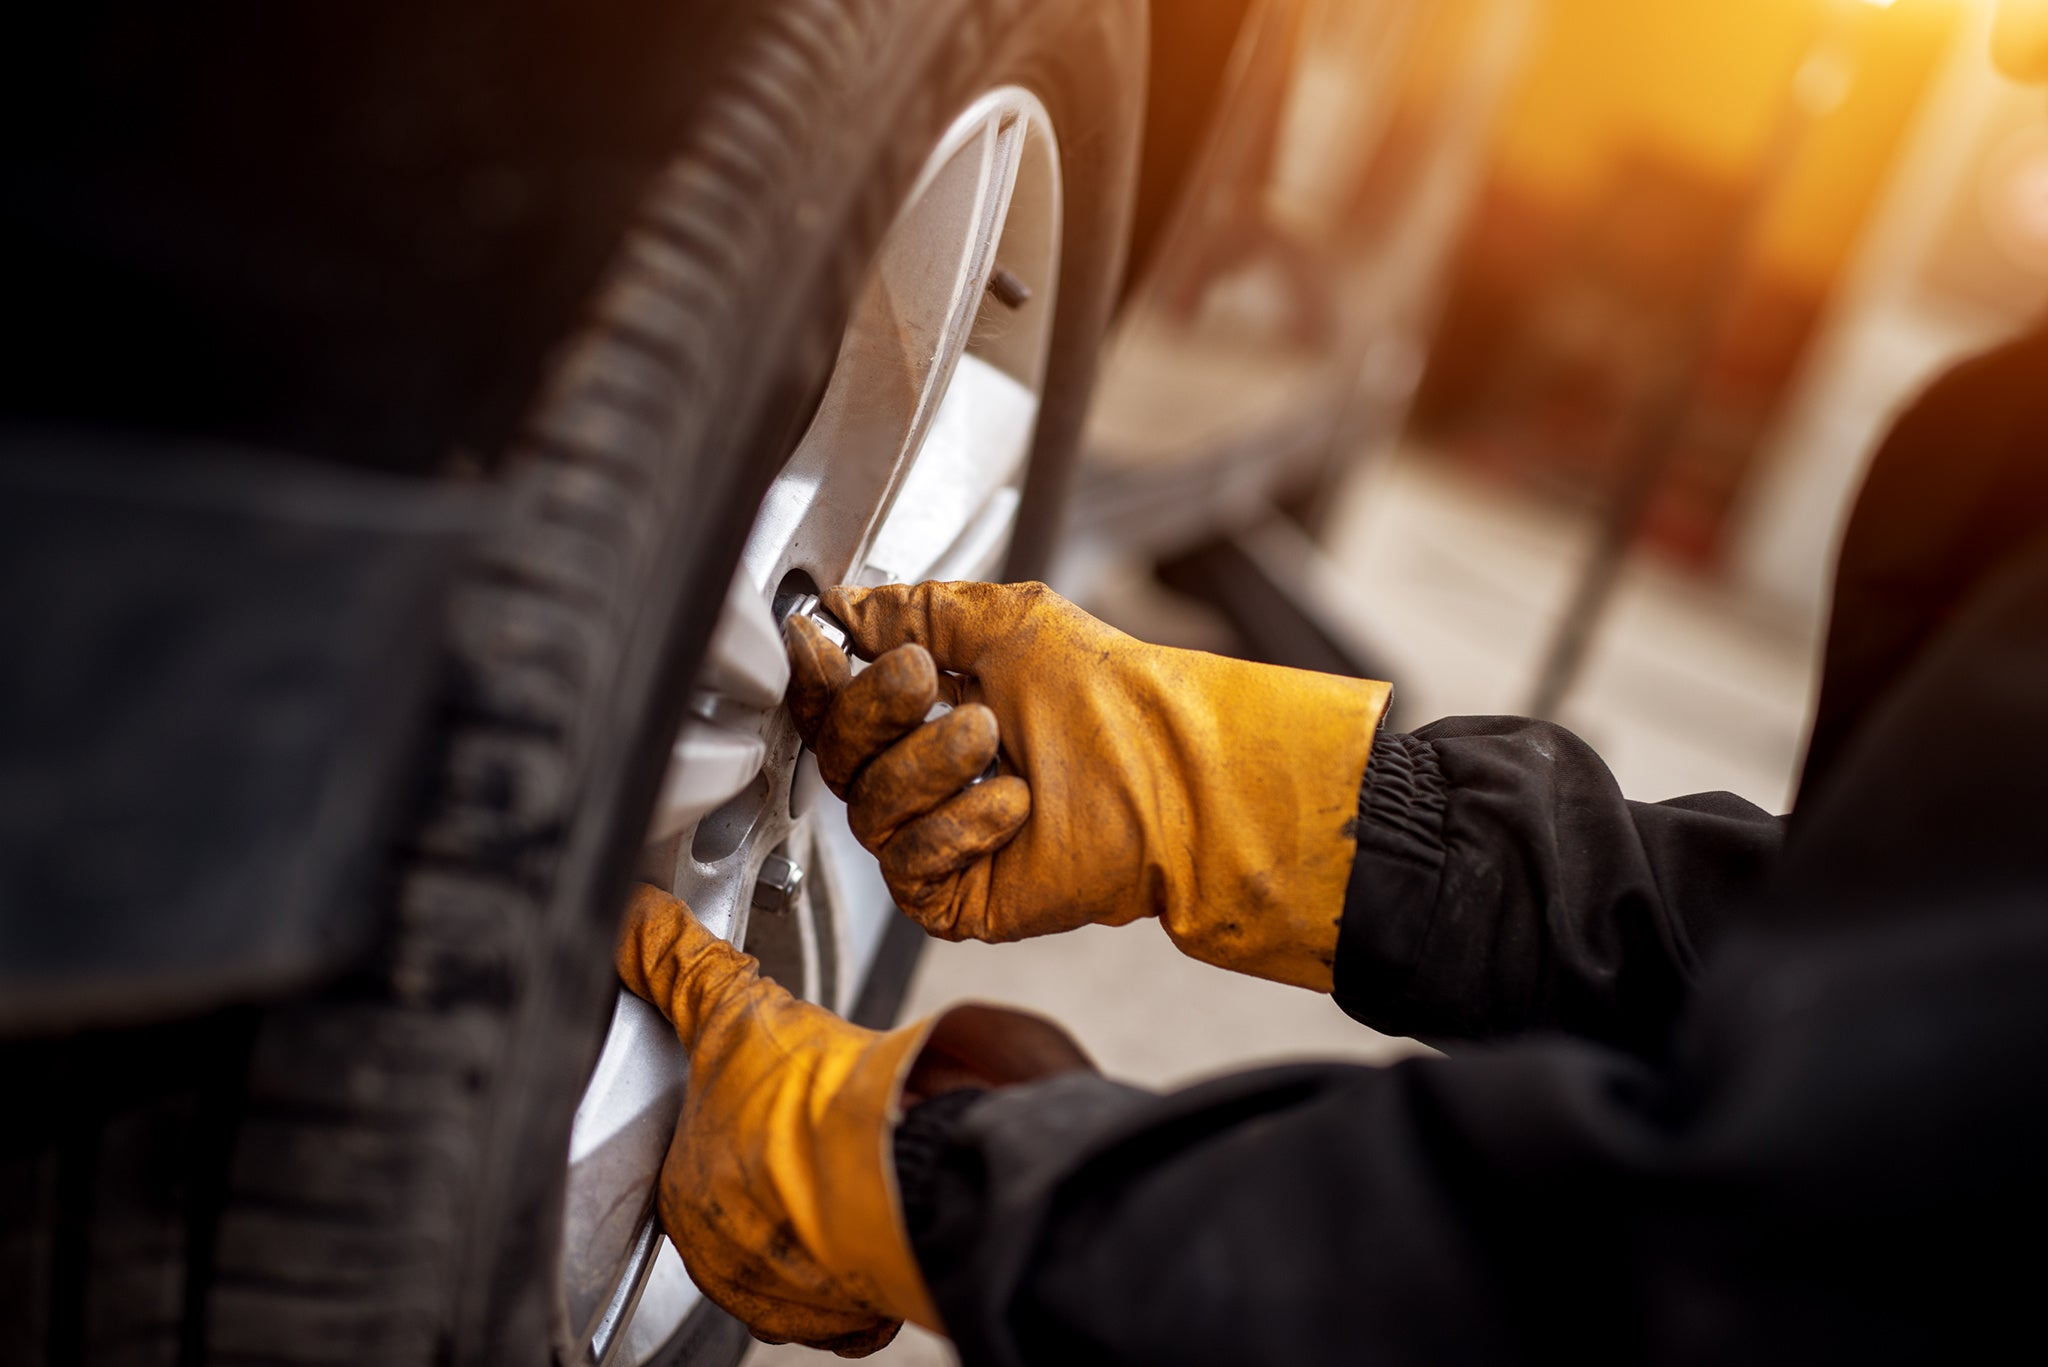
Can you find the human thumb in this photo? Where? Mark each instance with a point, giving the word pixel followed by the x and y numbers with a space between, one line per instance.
pixel 667 958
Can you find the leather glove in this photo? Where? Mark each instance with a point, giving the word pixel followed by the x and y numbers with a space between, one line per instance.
pixel 1214 794
pixel 779 1189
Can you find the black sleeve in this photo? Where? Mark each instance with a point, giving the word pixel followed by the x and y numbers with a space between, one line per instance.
pixel 1832 1168
pixel 1839 1158
pixel 1957 489
pixel 1503 884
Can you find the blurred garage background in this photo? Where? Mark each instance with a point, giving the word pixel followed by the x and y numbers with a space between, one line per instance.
pixel 1527 353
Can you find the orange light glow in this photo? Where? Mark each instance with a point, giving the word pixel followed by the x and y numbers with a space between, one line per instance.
pixel 1701 83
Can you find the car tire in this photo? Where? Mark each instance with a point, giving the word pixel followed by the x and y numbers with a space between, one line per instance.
pixel 374 1172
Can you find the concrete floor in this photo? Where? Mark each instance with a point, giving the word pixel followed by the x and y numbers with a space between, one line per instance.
pixel 1459 583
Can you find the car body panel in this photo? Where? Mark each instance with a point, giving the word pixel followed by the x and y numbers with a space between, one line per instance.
pixel 217 667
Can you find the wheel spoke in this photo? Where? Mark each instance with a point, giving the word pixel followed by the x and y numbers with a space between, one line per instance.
pixel 669 1298
pixel 617 1143
pixel 708 767
pixel 639 1263
pixel 746 663
pixel 848 876
pixel 974 452
pixel 897 364
pixel 721 749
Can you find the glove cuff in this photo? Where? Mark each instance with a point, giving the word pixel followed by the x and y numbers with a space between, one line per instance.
pixel 861 1226
pixel 1277 820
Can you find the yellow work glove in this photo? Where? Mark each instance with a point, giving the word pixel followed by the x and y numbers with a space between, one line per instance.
pixel 1215 794
pixel 779 1190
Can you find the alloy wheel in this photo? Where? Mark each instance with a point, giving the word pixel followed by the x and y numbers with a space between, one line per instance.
pixel 911 469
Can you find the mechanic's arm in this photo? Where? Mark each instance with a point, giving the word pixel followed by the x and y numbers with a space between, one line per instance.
pixel 1503 884
pixel 1812 1177
pixel 1480 877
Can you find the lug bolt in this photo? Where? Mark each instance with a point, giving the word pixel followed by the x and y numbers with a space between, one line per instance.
pixel 1008 288
pixel 777 887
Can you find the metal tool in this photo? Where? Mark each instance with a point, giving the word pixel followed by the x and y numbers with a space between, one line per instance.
pixel 807 605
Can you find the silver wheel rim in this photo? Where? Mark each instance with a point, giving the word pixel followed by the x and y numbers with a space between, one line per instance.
pixel 911 470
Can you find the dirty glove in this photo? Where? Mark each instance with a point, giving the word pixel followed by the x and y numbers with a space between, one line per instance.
pixel 1212 793
pixel 779 1190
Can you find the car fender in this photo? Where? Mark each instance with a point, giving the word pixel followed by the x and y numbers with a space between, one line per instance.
pixel 217 664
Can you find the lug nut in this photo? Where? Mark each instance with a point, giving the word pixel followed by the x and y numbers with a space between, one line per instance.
pixel 806 605
pixel 777 887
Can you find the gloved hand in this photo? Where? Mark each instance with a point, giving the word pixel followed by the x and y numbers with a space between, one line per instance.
pixel 1212 793
pixel 779 1190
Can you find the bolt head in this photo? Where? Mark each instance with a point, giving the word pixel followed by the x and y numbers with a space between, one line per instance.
pixel 780 881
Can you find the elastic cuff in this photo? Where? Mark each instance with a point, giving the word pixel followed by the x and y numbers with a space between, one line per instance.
pixel 1401 802
pixel 1395 876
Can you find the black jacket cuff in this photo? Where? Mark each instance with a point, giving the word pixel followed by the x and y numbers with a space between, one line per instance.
pixel 1396 876
pixel 923 1140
